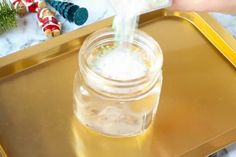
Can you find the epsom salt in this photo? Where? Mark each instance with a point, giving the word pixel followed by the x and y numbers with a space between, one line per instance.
pixel 120 64
pixel 127 15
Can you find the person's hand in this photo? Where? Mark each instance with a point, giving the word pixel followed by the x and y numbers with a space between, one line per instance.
pixel 204 5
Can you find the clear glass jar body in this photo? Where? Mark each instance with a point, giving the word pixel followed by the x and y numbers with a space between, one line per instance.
pixel 117 107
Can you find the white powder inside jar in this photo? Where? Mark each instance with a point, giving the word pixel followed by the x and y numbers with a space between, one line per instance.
pixel 120 64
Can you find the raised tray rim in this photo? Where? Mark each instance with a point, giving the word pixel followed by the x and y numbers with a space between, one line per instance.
pixel 69 42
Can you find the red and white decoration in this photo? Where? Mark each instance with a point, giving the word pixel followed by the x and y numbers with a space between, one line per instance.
pixel 46 18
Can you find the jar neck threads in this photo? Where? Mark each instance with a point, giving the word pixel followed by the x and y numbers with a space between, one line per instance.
pixel 97 79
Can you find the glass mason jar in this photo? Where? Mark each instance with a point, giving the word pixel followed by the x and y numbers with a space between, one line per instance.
pixel 124 105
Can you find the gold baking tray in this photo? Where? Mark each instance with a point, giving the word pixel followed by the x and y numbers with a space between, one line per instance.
pixel 197 110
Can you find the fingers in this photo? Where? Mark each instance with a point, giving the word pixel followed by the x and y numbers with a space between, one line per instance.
pixel 204 5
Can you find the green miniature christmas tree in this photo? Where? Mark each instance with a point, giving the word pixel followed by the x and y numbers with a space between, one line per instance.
pixel 7 16
pixel 70 11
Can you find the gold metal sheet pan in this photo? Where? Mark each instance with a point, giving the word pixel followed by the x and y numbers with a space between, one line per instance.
pixel 195 118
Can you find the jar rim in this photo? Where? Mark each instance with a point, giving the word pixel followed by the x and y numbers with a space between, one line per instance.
pixel 115 88
pixel 109 31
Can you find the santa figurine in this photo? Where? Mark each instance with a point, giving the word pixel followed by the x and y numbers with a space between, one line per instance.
pixel 47 20
pixel 24 6
pixel 32 6
pixel 19 7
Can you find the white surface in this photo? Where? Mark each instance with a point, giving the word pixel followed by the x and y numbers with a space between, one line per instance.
pixel 228 21
pixel 228 152
pixel 232 150
pixel 28 32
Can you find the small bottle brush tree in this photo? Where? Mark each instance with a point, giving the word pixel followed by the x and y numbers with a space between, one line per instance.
pixel 7 16
pixel 70 11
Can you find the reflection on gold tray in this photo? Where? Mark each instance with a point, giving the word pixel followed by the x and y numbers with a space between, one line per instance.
pixel 197 111
pixel 2 153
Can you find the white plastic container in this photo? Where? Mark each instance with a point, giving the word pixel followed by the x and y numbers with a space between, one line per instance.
pixel 137 7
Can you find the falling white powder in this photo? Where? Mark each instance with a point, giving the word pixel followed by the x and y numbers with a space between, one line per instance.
pixel 127 15
pixel 120 64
